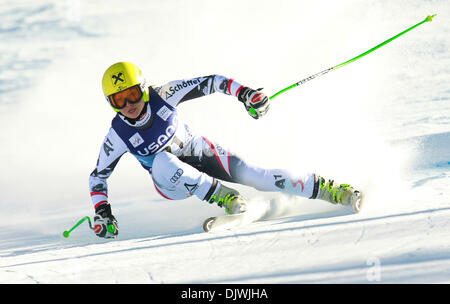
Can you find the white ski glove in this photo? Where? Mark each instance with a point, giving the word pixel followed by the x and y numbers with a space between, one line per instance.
pixel 256 103
pixel 105 224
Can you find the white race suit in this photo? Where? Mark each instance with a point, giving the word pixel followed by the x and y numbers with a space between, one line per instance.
pixel 180 163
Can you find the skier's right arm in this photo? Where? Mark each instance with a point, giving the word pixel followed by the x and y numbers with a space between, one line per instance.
pixel 111 151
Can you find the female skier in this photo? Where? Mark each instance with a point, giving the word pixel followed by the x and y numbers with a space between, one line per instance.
pixel 183 164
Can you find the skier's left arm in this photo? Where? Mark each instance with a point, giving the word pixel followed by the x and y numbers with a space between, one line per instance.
pixel 175 92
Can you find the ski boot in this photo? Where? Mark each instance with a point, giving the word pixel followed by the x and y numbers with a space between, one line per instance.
pixel 339 194
pixel 228 198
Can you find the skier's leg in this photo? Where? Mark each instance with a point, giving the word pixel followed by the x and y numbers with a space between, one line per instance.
pixel 308 185
pixel 273 180
pixel 177 180
pixel 222 164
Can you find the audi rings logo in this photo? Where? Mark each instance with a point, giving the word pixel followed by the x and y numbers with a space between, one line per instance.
pixel 176 176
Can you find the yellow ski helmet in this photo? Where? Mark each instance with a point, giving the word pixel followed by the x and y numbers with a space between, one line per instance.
pixel 121 76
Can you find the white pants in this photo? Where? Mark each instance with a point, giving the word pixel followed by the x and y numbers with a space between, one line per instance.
pixel 192 173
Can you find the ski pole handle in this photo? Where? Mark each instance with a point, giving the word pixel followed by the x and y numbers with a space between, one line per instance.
pixel 427 19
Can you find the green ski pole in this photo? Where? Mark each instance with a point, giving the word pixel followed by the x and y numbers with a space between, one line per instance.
pixel 427 19
pixel 67 232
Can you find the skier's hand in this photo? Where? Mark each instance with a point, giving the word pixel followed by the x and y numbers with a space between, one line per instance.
pixel 105 224
pixel 256 103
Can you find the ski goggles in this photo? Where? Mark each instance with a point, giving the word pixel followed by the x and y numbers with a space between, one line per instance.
pixel 131 95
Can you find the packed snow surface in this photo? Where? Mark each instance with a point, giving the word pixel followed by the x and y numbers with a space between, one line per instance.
pixel 381 123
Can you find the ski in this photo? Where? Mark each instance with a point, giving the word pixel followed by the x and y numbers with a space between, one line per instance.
pixel 258 210
pixel 224 222
pixel 227 222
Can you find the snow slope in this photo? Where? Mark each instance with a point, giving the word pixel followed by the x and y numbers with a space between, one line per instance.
pixel 381 123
